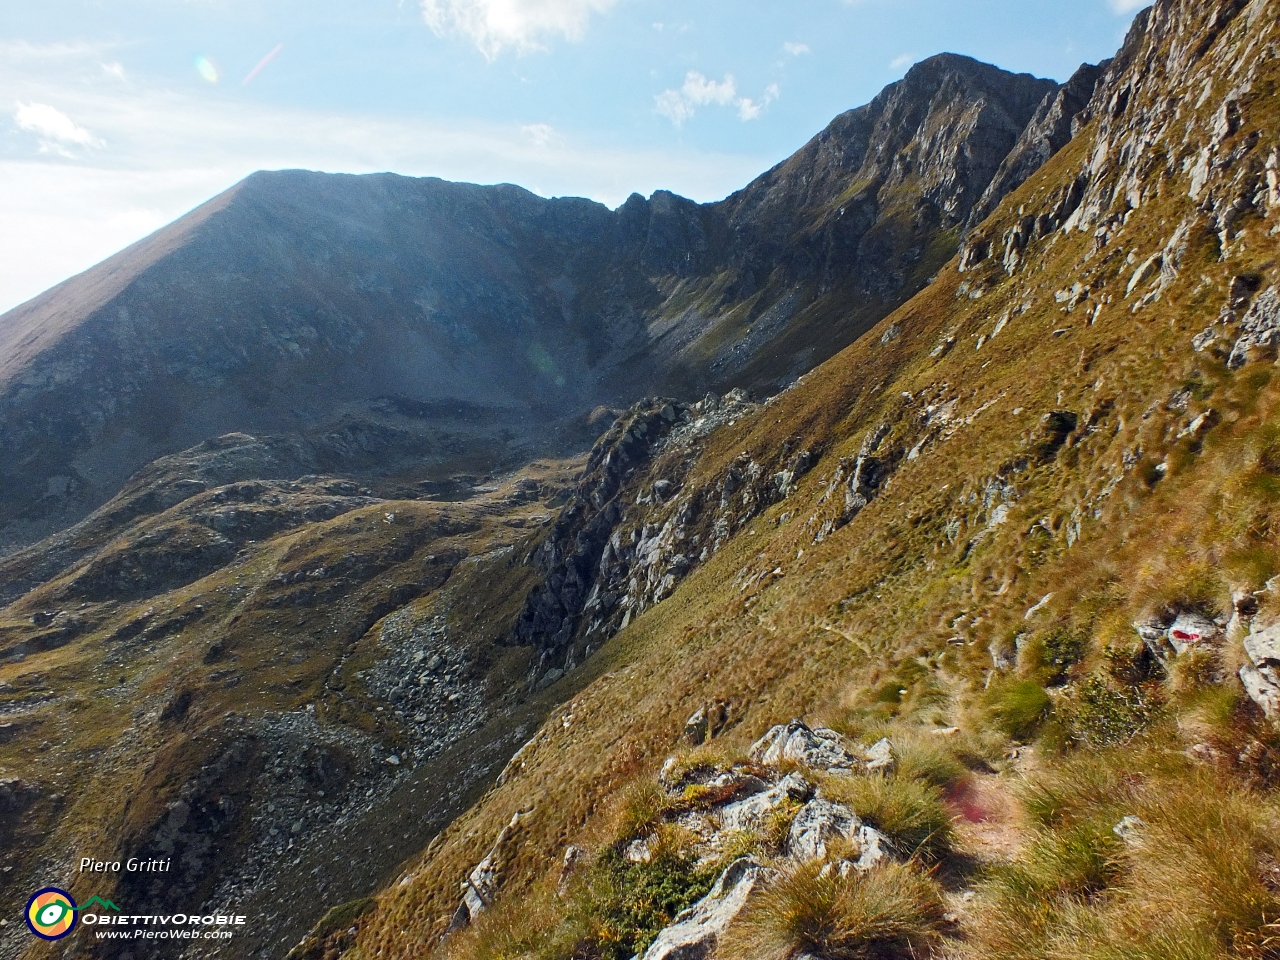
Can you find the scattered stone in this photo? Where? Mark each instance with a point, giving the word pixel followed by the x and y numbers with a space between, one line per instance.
pixel 1129 830
pixel 880 757
pixel 574 857
pixel 696 931
pixel 640 851
pixel 820 749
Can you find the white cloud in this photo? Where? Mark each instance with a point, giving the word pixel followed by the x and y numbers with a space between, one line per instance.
pixel 796 49
pixel 114 69
pixel 749 109
pixel 701 92
pixel 672 105
pixel 520 25
pixel 1128 6
pixel 902 61
pixel 56 132
pixel 679 106
pixel 540 133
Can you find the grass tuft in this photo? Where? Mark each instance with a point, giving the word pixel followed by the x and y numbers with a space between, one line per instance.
pixel 892 912
pixel 911 813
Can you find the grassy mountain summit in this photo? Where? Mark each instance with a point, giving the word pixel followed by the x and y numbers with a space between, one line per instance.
pixel 958 646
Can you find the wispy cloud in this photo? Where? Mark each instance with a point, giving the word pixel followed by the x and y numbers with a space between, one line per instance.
pixel 679 105
pixel 495 26
pixel 749 109
pixel 795 49
pixel 1128 6
pixel 540 133
pixel 902 61
pixel 54 130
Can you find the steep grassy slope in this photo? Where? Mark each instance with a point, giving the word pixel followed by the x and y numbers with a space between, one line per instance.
pixel 1053 460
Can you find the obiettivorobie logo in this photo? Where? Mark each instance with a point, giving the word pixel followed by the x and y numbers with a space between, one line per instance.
pixel 52 914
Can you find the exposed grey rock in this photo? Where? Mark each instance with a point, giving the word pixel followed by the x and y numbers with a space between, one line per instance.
pixel 1050 129
pixel 751 813
pixel 696 931
pixel 820 749
pixel 876 848
pixel 880 757
pixel 481 885
pixel 1191 630
pixel 1260 328
pixel 640 851
pixel 696 727
pixel 818 823
pixel 1168 639
pixel 1261 676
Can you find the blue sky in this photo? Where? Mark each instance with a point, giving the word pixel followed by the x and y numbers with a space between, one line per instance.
pixel 116 116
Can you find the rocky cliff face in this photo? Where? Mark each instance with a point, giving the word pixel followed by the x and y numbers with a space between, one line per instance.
pixel 392 324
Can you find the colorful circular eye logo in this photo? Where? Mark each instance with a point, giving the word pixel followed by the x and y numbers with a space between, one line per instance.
pixel 51 914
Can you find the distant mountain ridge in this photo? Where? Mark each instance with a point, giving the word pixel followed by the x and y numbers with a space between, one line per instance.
pixel 327 305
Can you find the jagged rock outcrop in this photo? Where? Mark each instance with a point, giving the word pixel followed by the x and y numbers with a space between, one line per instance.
pixel 1056 122
pixel 820 749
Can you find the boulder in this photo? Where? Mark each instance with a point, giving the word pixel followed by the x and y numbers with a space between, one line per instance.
pixel 696 931
pixel 1261 675
pixel 696 728
pixel 819 749
pixel 817 824
pixel 751 812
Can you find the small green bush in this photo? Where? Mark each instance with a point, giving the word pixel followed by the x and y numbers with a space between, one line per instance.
pixel 632 902
pixel 1018 707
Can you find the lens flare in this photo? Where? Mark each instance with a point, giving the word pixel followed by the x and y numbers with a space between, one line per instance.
pixel 207 69
pixel 261 63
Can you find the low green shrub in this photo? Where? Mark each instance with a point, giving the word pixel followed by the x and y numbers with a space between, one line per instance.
pixel 1018 707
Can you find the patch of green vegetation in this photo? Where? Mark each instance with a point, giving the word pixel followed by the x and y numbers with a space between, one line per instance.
pixel 1018 707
